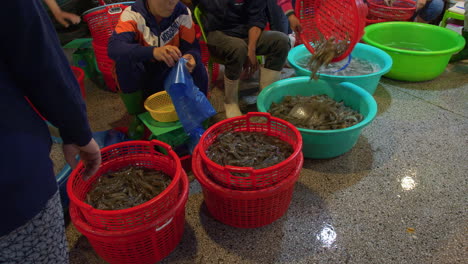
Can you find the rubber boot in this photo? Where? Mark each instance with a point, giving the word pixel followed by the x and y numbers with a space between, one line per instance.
pixel 134 104
pixel 231 98
pixel 463 54
pixel 268 77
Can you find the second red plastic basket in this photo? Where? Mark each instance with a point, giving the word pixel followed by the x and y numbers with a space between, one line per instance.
pixel 246 209
pixel 143 245
pixel 119 156
pixel 401 10
pixel 344 20
pixel 243 178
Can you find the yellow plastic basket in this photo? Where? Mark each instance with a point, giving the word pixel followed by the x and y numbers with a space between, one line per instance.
pixel 161 108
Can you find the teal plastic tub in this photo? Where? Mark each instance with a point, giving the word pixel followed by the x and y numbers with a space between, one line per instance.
pixel 368 82
pixel 420 52
pixel 321 144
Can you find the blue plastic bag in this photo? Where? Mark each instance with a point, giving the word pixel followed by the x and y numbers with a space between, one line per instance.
pixel 191 105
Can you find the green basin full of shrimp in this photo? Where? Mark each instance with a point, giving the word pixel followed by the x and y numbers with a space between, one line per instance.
pixel 320 144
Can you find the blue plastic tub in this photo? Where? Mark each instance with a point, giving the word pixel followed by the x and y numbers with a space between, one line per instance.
pixel 321 144
pixel 368 82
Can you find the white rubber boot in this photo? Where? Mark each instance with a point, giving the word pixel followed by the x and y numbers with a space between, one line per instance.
pixel 268 77
pixel 231 98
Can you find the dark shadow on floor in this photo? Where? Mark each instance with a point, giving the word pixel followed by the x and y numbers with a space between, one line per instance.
pixel 186 251
pixel 258 244
pixel 332 175
pixel 383 99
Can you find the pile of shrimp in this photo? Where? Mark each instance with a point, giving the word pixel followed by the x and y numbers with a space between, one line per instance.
pixel 248 149
pixel 324 52
pixel 127 188
pixel 318 112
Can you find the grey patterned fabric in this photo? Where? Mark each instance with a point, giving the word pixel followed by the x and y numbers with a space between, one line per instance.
pixel 40 241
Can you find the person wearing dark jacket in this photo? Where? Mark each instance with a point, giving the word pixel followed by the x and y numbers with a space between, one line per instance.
pixel 33 65
pixel 147 42
pixel 236 37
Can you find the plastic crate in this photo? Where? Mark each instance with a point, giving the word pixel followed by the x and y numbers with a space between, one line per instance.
pixel 171 133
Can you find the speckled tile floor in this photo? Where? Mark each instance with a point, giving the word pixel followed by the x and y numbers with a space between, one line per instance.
pixel 399 196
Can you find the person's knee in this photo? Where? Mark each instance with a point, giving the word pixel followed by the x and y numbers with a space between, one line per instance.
pixel 235 61
pixel 200 77
pixel 432 10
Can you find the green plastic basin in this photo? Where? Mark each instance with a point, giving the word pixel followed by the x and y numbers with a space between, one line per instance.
pixel 320 144
pixel 368 82
pixel 420 52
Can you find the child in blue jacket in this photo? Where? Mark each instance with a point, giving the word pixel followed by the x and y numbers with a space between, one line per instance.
pixel 149 39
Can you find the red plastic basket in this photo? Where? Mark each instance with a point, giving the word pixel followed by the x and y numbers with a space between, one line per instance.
pixel 143 245
pixel 252 179
pixel 105 65
pixel 374 20
pixel 118 156
pixel 80 74
pixel 340 19
pixel 102 21
pixel 205 56
pixel 246 209
pixel 401 10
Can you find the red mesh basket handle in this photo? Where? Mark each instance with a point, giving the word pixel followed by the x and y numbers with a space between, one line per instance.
pixel 246 170
pixel 168 148
pixel 252 119
pixel 112 10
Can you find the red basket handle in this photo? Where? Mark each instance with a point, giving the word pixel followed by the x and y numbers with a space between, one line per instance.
pixel 250 115
pixel 167 147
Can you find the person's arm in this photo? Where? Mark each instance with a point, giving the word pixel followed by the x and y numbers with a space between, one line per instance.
pixel 420 4
pixel 124 48
pixel 288 10
pixel 45 74
pixel 62 17
pixel 189 46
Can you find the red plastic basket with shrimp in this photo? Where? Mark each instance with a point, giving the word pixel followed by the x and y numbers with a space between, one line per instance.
pixel 344 20
pixel 119 156
pixel 246 209
pixel 102 21
pixel 401 10
pixel 146 244
pixel 243 178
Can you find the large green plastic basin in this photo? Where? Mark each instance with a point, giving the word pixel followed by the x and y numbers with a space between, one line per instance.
pixel 320 144
pixel 420 52
pixel 368 82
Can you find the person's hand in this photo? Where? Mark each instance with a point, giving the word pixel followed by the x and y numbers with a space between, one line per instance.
pixel 251 63
pixel 295 24
pixel 66 18
pixel 90 155
pixel 420 4
pixel 191 63
pixel 168 54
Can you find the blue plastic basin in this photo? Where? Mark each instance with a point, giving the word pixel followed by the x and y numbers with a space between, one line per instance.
pixel 368 82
